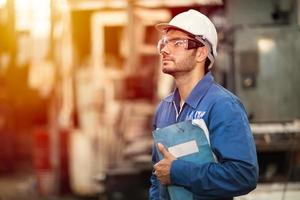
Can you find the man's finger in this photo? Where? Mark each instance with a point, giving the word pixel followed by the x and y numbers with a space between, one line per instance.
pixel 163 150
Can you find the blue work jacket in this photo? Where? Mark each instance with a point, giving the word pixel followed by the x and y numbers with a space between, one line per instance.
pixel 236 172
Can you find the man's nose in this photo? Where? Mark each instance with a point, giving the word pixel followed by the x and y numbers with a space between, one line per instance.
pixel 164 50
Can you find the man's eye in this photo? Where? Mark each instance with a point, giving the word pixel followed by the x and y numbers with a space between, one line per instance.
pixel 178 43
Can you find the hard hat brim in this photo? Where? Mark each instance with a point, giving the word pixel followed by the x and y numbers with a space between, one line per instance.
pixel 163 27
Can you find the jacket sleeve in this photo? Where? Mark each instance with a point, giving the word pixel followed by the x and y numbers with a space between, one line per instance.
pixel 236 172
pixel 154 191
pixel 154 187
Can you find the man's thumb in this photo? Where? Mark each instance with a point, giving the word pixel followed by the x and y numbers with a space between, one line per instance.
pixel 162 150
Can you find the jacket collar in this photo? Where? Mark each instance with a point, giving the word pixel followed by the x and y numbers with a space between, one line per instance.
pixel 196 94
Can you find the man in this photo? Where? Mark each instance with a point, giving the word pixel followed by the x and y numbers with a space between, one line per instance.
pixel 188 49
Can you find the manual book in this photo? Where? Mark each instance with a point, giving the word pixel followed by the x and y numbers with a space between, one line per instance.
pixel 187 140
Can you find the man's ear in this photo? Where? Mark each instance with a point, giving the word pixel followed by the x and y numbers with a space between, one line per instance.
pixel 201 54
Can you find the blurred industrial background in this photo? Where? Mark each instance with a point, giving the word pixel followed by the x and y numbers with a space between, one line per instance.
pixel 80 81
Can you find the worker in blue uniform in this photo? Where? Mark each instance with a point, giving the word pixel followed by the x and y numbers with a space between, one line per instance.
pixel 188 49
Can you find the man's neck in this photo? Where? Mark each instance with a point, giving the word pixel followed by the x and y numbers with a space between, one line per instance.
pixel 186 83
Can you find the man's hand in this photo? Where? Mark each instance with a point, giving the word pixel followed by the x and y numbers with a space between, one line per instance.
pixel 163 167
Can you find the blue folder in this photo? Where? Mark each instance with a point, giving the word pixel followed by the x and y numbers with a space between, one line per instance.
pixel 187 141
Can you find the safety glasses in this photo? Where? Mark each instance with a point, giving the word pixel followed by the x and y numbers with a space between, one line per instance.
pixel 178 43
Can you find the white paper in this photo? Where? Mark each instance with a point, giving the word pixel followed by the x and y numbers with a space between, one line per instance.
pixel 201 123
pixel 184 149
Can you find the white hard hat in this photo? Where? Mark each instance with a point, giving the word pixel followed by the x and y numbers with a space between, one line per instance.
pixel 197 24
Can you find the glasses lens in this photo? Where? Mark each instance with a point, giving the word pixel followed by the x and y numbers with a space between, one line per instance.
pixel 160 45
pixel 178 44
pixel 172 43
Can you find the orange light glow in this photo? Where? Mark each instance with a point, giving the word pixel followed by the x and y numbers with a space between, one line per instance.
pixel 2 3
pixel 33 15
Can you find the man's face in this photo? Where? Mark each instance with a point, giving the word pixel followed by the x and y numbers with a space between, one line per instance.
pixel 176 58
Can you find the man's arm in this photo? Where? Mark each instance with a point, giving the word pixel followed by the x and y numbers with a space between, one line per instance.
pixel 236 172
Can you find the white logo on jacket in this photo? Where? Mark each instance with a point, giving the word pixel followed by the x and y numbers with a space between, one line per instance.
pixel 195 114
